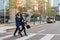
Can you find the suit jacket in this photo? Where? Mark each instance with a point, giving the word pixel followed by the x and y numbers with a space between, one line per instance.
pixel 18 21
pixel 22 21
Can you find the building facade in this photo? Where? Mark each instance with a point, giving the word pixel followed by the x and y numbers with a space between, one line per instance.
pixel 58 9
pixel 51 2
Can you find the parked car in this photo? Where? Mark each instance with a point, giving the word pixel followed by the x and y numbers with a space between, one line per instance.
pixel 51 20
pixel 1 20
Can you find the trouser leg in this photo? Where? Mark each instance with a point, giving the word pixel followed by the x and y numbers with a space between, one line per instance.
pixel 15 31
pixel 19 31
pixel 23 28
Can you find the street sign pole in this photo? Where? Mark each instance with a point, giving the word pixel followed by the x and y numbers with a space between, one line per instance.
pixel 4 10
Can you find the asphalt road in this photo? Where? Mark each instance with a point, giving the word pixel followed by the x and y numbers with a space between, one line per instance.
pixel 41 32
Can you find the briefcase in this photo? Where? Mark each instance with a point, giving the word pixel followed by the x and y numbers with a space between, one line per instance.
pixel 28 26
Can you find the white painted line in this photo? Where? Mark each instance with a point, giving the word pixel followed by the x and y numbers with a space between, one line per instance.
pixel 26 37
pixel 2 31
pixel 42 30
pixel 46 34
pixel 1 38
pixel 48 37
pixel 7 36
pixel 57 34
pixel 22 38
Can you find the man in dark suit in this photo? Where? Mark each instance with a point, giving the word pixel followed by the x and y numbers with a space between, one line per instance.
pixel 23 24
pixel 18 23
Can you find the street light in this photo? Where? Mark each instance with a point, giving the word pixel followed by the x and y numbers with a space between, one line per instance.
pixel 4 10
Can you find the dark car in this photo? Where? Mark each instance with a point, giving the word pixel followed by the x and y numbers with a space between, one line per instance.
pixel 1 20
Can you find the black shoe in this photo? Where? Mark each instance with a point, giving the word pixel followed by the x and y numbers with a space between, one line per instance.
pixel 21 30
pixel 26 35
pixel 14 35
pixel 21 35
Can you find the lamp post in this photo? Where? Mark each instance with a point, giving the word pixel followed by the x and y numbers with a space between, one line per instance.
pixel 4 11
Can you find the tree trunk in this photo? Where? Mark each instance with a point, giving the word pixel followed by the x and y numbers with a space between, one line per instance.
pixel 12 14
pixel 34 20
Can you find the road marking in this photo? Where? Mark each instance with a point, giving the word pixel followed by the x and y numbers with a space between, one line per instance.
pixel 48 37
pixel 46 34
pixel 26 37
pixel 2 31
pixel 7 36
pixel 1 38
pixel 42 30
pixel 22 38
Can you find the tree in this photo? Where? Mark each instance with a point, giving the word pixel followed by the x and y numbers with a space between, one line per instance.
pixel 28 5
pixel 35 15
pixel 12 3
pixel 50 11
pixel 12 8
pixel 41 8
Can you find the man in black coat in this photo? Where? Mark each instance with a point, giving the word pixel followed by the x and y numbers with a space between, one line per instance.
pixel 18 23
pixel 23 24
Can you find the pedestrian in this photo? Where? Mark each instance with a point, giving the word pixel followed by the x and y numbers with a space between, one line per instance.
pixel 18 22
pixel 23 23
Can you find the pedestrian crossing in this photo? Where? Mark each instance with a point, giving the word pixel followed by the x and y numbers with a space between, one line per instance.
pixel 26 37
pixel 48 37
pixel 1 38
pixel 2 31
pixel 9 37
pixel 31 36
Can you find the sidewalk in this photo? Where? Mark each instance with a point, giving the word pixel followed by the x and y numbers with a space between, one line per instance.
pixel 31 24
pixel 4 27
pixel 7 24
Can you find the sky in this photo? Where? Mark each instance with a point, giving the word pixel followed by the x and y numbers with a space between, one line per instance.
pixel 56 2
pixel 1 3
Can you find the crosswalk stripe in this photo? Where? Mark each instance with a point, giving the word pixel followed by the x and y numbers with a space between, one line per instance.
pixel 48 37
pixel 42 30
pixel 26 37
pixel 22 38
pixel 1 38
pixel 7 36
pixel 2 31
